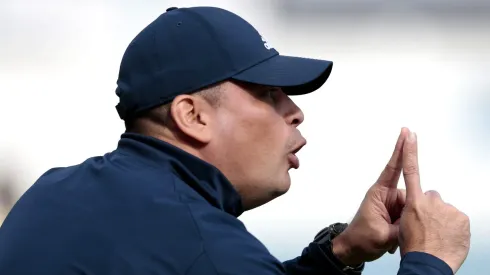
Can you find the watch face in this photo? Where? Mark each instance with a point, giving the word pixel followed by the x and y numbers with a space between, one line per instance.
pixel 339 228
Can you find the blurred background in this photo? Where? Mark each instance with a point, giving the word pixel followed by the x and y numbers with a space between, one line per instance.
pixel 420 64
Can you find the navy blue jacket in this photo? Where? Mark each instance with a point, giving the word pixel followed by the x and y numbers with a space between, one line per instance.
pixel 147 208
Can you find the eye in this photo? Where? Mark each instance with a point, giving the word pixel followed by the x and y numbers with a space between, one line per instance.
pixel 270 94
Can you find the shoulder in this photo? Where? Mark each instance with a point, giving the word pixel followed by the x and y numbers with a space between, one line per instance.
pixel 104 218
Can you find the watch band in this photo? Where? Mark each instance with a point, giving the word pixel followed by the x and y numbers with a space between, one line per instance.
pixel 325 237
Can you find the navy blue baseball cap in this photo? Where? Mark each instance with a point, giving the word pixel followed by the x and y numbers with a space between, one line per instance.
pixel 187 49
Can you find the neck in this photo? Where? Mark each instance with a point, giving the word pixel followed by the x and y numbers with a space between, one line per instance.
pixel 199 174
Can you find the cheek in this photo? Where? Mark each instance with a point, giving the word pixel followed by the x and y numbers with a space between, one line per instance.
pixel 252 145
pixel 253 129
pixel 261 142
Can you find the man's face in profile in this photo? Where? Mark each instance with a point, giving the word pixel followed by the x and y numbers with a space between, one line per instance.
pixel 255 137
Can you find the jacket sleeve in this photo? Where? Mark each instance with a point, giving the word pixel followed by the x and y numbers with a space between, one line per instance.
pixel 419 263
pixel 249 257
pixel 313 261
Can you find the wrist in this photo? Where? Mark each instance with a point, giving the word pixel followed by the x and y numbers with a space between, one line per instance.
pixel 343 251
pixel 338 250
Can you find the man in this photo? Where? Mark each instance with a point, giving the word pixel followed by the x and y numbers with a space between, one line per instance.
pixel 211 133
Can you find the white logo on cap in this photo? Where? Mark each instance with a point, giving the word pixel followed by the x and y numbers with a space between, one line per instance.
pixel 266 45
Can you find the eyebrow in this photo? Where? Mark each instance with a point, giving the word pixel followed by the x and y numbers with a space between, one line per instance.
pixel 267 88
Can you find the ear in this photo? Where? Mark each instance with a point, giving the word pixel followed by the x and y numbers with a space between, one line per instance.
pixel 191 115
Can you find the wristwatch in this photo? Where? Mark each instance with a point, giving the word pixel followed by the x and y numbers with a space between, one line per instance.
pixel 325 237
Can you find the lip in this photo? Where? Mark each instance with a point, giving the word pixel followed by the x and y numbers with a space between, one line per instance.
pixel 299 146
pixel 292 158
pixel 293 161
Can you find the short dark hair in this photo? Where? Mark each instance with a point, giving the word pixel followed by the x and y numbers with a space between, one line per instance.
pixel 161 114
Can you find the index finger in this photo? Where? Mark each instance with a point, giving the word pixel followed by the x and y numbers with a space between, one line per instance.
pixel 410 165
pixel 390 175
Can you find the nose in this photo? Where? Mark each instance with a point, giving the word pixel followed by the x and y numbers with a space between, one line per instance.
pixel 295 115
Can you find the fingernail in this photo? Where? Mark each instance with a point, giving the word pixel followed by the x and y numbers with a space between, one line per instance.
pixel 412 136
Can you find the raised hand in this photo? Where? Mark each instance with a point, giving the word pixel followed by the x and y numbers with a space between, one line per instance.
pixel 374 229
pixel 427 223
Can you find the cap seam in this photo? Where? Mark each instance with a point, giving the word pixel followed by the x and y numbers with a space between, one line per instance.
pixel 212 33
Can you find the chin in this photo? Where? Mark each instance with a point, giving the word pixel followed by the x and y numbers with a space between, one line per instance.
pixel 260 194
pixel 282 188
pixel 273 194
pixel 277 193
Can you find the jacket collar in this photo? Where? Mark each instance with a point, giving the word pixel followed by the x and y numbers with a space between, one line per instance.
pixel 200 175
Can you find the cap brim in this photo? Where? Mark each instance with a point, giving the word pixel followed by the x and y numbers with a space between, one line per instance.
pixel 296 75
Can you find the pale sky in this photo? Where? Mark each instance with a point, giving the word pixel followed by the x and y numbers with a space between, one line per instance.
pixel 59 67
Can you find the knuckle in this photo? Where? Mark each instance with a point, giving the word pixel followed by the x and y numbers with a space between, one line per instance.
pixel 416 206
pixel 381 236
pixel 411 169
pixel 433 194
pixel 451 207
pixel 372 192
pixel 392 169
pixel 460 216
pixel 465 218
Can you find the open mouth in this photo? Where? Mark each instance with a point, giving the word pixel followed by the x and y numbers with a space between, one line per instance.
pixel 292 158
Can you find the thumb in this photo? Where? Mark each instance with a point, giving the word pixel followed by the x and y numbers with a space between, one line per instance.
pixel 394 229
